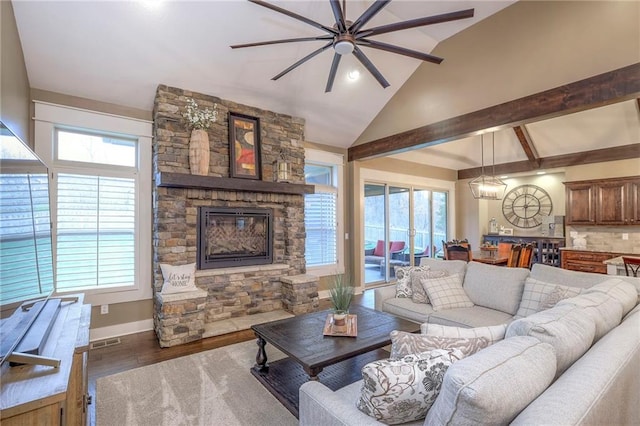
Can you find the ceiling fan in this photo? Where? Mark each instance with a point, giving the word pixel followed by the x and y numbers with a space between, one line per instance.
pixel 346 36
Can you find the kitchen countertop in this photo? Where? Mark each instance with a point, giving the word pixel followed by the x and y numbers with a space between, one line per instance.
pixel 617 261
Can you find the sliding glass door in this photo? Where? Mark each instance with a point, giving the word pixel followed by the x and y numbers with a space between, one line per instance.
pixel 402 224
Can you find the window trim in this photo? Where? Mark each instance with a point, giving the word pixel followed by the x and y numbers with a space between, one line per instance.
pixel 50 116
pixel 336 162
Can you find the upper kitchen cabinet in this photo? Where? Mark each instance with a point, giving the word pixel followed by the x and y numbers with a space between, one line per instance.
pixel 603 202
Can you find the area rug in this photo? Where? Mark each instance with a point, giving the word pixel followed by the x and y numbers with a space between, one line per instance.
pixel 209 388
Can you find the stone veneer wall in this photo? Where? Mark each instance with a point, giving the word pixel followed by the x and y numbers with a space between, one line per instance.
pixel 237 291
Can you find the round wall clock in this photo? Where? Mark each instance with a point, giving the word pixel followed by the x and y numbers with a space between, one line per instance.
pixel 525 205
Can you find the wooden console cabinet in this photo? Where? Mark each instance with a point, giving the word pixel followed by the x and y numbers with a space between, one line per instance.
pixel 586 261
pixel 41 395
pixel 603 202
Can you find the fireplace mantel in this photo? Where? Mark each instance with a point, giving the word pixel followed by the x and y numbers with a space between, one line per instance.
pixel 182 180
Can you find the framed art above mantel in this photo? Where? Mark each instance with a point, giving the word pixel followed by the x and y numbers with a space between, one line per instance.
pixel 244 146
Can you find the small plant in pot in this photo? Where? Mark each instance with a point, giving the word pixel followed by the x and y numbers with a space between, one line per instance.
pixel 341 295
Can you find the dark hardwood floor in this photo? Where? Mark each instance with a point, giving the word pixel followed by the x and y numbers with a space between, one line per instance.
pixel 140 349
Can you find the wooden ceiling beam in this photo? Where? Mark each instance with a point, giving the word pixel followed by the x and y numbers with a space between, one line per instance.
pixel 527 145
pixel 623 152
pixel 604 89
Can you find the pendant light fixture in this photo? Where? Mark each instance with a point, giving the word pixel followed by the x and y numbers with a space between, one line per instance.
pixel 488 187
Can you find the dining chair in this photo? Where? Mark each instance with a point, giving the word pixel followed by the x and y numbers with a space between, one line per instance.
pixel 504 249
pixel 458 252
pixel 526 256
pixel 514 256
pixel 631 265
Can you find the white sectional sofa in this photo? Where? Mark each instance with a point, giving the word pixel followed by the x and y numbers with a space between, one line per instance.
pixel 594 332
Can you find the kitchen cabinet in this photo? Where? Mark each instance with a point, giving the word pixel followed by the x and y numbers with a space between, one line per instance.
pixel 603 202
pixel 586 261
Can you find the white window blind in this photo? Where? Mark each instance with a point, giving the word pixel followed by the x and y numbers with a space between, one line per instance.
pixel 320 219
pixel 95 231
pixel 25 237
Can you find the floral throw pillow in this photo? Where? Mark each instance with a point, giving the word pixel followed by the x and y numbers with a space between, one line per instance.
pixel 403 390
pixel 403 343
pixel 403 275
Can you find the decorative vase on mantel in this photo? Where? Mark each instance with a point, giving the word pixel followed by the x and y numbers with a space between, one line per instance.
pixel 199 152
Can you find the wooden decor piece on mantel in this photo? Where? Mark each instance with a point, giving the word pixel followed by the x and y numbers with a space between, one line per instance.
pixel 181 180
pixel 199 152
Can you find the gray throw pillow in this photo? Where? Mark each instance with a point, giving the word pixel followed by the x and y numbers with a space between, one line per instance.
pixel 446 292
pixel 419 294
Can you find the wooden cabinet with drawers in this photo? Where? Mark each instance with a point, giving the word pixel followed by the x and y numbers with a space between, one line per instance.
pixel 586 261
pixel 603 202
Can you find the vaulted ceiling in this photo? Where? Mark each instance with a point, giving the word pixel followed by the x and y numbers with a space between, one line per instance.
pixel 118 52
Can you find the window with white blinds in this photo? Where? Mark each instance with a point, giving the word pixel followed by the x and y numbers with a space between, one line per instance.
pixel 320 220
pixel 324 245
pixel 95 210
pixel 95 244
pixel 25 237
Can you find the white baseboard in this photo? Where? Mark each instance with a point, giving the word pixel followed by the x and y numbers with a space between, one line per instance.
pixel 120 330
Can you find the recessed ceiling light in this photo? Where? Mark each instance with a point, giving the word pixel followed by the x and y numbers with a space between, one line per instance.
pixel 504 177
pixel 353 75
pixel 151 4
pixel 541 173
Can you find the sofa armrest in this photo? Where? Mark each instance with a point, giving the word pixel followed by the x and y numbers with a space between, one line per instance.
pixel 381 294
pixel 319 405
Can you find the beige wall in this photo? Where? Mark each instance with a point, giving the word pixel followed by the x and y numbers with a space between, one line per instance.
pixel 122 313
pixel 526 48
pixel 609 169
pixel 14 82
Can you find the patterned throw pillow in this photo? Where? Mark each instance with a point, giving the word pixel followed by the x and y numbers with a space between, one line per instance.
pixel 493 333
pixel 403 275
pixel 403 390
pixel 178 279
pixel 419 294
pixel 537 293
pixel 446 292
pixel 403 343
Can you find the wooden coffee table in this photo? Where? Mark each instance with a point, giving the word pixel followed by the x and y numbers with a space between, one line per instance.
pixel 335 361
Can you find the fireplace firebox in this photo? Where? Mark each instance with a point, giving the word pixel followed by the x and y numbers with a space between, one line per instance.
pixel 229 236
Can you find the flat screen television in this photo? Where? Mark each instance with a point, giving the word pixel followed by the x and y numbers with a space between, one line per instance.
pixel 26 263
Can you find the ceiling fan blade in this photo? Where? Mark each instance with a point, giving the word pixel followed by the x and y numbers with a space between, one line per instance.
pixel 337 13
pixel 367 15
pixel 399 50
pixel 287 40
pixel 303 60
pixel 294 16
pixel 332 73
pixel 413 23
pixel 370 67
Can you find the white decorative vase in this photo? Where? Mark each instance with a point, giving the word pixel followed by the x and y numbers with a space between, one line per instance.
pixel 199 152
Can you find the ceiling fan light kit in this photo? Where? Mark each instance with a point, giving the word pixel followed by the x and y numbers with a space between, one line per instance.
pixel 345 36
pixel 486 187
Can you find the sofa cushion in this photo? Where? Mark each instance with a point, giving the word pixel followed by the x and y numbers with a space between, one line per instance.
pixel 622 291
pixel 553 275
pixel 446 292
pixel 406 308
pixel 495 287
pixel 566 328
pixel 476 316
pixel 493 333
pixel 403 275
pixel 538 293
pixel 451 266
pixel 403 343
pixel 398 391
pixel 604 310
pixel 419 294
pixel 494 385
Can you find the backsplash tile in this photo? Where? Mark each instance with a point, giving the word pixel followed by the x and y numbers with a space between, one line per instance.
pixel 608 238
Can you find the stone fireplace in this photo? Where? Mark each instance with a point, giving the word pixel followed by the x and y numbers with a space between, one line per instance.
pixel 274 282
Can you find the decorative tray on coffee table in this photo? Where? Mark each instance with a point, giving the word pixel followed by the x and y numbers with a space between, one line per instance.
pixel 350 331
